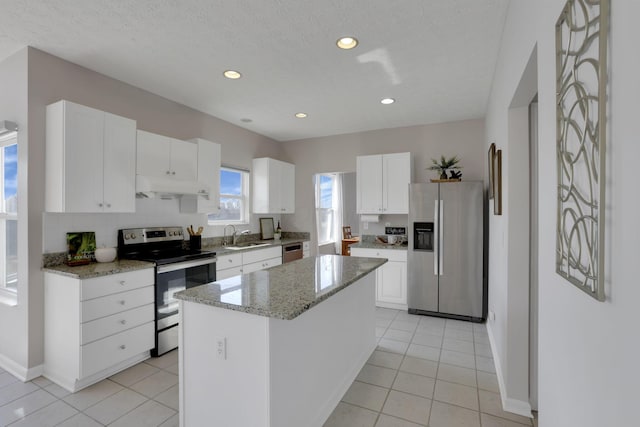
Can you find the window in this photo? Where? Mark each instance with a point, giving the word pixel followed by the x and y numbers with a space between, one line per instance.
pixel 327 207
pixel 8 214
pixel 234 196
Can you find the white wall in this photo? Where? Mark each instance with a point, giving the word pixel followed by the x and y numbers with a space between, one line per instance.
pixel 338 154
pixel 588 369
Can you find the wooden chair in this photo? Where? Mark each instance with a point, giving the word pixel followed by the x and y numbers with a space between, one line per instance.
pixel 346 232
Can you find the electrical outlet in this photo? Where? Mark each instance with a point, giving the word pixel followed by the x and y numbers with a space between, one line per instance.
pixel 492 315
pixel 221 348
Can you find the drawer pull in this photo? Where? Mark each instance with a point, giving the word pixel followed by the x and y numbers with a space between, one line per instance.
pixel 122 302
pixel 230 260
pixel 122 282
pixel 124 322
pixel 123 347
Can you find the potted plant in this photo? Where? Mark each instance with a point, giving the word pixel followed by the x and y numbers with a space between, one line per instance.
pixel 445 165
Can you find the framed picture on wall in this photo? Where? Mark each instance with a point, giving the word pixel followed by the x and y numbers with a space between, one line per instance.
pixel 490 158
pixel 497 196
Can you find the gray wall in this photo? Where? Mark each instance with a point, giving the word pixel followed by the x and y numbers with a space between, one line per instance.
pixel 338 154
pixel 49 80
pixel 16 332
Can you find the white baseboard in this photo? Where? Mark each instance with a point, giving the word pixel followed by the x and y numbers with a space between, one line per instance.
pixel 394 306
pixel 19 371
pixel 515 406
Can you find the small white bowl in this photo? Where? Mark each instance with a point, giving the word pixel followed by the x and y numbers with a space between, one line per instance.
pixel 105 254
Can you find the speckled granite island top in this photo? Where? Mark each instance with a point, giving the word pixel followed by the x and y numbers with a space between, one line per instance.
pixel 97 269
pixel 284 291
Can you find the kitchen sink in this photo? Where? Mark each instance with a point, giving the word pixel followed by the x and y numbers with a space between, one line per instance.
pixel 246 245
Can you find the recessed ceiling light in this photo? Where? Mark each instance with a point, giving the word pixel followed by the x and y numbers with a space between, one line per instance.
pixel 232 74
pixel 301 115
pixel 387 101
pixel 347 42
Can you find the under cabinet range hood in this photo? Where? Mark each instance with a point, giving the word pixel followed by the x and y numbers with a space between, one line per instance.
pixel 154 186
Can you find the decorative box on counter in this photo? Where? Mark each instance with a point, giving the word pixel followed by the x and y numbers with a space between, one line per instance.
pixel 81 247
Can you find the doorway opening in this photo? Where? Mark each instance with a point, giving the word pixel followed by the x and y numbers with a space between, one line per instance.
pixel 335 207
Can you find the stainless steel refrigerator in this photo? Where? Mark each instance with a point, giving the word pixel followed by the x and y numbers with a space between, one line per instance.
pixel 445 260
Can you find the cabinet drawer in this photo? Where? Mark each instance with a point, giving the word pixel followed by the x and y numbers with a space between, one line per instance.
pixel 261 265
pixel 261 254
pixel 115 303
pixel 100 328
pixel 105 285
pixel 114 349
pixel 228 272
pixel 391 254
pixel 228 261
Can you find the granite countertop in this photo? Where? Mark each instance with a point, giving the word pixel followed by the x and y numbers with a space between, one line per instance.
pixel 284 291
pixel 376 245
pixel 224 250
pixel 97 269
pixel 53 263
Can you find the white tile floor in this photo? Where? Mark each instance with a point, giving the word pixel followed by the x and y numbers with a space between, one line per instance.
pixel 425 372
pixel 143 395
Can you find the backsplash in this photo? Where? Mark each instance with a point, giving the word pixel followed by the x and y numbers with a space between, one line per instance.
pixel 56 258
pixel 149 213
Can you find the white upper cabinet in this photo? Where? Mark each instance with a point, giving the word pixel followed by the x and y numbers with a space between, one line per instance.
pixel 208 173
pixel 90 160
pixel 383 183
pixel 369 184
pixel 273 186
pixel 162 156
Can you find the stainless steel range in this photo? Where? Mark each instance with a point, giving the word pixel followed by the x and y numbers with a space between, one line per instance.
pixel 177 269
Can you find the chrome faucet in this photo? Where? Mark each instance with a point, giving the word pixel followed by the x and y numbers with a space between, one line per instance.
pixel 224 239
pixel 235 235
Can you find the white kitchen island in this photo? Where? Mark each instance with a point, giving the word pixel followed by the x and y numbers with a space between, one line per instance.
pixel 277 347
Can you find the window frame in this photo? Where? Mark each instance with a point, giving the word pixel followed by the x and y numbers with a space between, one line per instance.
pixel 243 198
pixel 8 294
pixel 332 210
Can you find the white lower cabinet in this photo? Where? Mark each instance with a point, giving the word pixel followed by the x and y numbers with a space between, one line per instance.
pixel 228 266
pixel 247 262
pixel 96 327
pixel 391 278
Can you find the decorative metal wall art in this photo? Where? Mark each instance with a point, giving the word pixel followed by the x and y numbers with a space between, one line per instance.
pixel 581 81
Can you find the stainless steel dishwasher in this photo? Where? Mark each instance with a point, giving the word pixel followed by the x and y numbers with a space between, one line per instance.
pixel 291 252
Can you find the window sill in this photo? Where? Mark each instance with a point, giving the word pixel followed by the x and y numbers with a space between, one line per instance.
pixel 8 298
pixel 225 223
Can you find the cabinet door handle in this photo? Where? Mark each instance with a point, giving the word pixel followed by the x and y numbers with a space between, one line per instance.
pixel 230 260
pixel 173 173
pixel 122 302
pixel 100 204
pixel 108 205
pixel 168 172
pixel 122 282
pixel 124 322
pixel 122 347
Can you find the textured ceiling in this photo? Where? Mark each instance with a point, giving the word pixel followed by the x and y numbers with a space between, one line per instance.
pixel 435 57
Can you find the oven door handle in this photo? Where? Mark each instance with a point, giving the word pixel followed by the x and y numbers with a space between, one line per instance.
pixel 186 264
